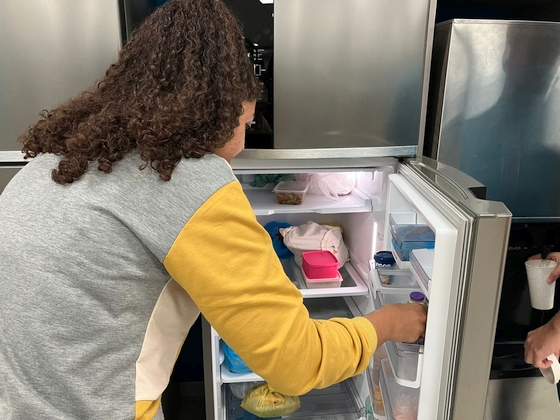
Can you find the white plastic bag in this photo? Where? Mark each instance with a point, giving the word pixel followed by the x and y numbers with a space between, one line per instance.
pixel 330 184
pixel 315 237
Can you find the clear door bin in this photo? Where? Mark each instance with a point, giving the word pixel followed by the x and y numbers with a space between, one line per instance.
pixel 401 281
pixel 376 398
pixel 373 375
pixel 401 403
pixel 421 264
pixel 406 358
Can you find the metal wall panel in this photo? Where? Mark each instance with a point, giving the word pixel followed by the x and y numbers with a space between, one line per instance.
pixel 351 73
pixel 495 110
pixel 50 51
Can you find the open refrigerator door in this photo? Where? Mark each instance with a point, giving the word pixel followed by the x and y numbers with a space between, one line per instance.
pixel 418 377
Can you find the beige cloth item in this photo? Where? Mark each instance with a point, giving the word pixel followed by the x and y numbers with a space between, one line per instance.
pixel 315 237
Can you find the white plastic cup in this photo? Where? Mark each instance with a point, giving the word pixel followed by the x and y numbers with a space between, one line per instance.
pixel 541 293
pixel 552 373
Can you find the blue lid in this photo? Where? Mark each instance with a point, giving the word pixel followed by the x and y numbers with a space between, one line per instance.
pixel 384 257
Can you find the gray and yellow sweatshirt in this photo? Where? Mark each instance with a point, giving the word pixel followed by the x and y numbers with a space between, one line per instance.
pixel 100 281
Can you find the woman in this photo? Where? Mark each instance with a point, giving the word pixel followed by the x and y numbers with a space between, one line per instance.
pixel 128 222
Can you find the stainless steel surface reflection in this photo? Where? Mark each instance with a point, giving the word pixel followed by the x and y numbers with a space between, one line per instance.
pixel 351 73
pixel 494 109
pixel 50 51
pixel 521 399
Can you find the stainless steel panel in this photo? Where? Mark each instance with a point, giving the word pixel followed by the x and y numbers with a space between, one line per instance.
pixel 318 153
pixel 50 51
pixel 495 109
pixel 521 399
pixel 351 73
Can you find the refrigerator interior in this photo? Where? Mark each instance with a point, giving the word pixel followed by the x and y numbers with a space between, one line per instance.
pixel 381 197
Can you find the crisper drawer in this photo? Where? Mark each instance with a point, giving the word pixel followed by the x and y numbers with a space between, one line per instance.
pixel 340 401
pixel 401 403
pixel 406 358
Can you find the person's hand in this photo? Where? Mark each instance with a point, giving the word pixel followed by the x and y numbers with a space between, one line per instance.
pixel 555 273
pixel 402 322
pixel 542 342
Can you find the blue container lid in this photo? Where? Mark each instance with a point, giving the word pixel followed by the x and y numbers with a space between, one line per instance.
pixel 384 257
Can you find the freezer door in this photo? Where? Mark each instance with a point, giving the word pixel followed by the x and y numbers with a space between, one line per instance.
pixel 469 257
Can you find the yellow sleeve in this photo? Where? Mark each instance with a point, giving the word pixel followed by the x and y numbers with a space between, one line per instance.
pixel 225 260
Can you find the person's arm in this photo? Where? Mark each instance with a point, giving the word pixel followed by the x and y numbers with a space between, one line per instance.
pixel 225 260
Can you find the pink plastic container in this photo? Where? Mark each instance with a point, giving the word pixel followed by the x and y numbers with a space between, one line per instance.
pixel 323 283
pixel 319 264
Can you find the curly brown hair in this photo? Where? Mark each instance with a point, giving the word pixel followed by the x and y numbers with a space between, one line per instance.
pixel 176 91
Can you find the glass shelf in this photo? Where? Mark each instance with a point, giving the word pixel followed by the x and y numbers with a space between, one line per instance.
pixel 352 284
pixel 263 202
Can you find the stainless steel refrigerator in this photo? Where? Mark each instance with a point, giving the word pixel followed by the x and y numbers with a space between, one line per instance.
pixel 494 113
pixel 349 81
pixel 53 50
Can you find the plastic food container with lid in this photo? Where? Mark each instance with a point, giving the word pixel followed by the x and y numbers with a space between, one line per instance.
pixel 323 283
pixel 291 192
pixel 384 260
pixel 319 265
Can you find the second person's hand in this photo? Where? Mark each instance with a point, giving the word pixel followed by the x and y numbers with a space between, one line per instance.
pixel 401 322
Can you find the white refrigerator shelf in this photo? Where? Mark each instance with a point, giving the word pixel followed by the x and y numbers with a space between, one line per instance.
pixel 228 377
pixel 263 202
pixel 352 283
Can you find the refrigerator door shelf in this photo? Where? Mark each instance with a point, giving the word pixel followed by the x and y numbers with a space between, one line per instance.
pixel 377 405
pixel 404 265
pixel 406 358
pixel 402 349
pixel 401 281
pixel 421 263
pixel 264 203
pixel 407 366
pixel 400 402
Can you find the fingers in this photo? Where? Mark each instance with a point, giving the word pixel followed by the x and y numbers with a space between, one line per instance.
pixel 554 274
pixel 535 257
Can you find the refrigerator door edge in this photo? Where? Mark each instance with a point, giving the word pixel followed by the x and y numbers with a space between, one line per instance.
pixel 469 350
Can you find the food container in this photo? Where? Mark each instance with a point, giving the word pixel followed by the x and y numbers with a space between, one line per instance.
pixel 384 260
pixel 291 192
pixel 323 283
pixel 405 238
pixel 319 265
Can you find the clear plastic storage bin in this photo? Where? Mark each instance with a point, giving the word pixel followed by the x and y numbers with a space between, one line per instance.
pixel 401 403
